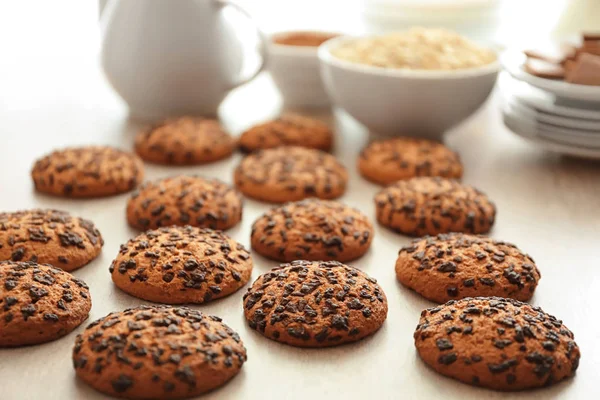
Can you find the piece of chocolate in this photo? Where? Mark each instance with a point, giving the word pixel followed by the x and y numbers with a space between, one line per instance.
pixel 586 70
pixel 591 37
pixel 594 50
pixel 569 65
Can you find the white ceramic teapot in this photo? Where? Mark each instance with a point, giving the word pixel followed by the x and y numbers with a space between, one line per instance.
pixel 167 58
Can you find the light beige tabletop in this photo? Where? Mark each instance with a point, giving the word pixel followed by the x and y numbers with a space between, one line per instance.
pixel 52 94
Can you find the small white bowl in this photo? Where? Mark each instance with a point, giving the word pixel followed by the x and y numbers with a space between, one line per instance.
pixel 295 71
pixel 390 101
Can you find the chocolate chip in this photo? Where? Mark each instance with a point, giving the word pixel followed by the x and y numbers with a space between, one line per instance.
pixel 443 344
pixel 168 277
pixel 503 366
pixel 447 359
pixel 122 383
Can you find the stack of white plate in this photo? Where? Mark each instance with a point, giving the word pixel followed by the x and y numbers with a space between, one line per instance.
pixel 556 115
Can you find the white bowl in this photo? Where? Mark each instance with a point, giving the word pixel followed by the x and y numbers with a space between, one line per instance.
pixel 404 102
pixel 295 72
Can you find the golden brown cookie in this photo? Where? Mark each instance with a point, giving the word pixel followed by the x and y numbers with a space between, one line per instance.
pixel 184 141
pixel 430 206
pixel 39 303
pixel 312 229
pixel 48 237
pixel 455 266
pixel 315 304
pixel 390 160
pixel 290 173
pixel 92 171
pixel 496 343
pixel 158 352
pixel 185 200
pixel 179 265
pixel 288 130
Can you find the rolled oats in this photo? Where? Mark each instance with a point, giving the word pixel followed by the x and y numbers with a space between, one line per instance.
pixel 417 48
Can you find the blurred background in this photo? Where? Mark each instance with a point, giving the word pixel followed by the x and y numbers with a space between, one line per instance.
pixel 51 41
pixel 505 21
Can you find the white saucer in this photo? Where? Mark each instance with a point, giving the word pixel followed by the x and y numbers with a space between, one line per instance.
pixel 547 144
pixel 512 61
pixel 556 133
pixel 545 102
pixel 548 140
pixel 555 120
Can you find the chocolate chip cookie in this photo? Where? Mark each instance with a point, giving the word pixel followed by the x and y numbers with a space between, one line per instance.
pixel 48 237
pixel 312 229
pixel 39 303
pixel 455 265
pixel 184 141
pixel 288 130
pixel 390 160
pixel 179 265
pixel 92 171
pixel 497 343
pixel 290 173
pixel 185 200
pixel 315 304
pixel 433 205
pixel 158 352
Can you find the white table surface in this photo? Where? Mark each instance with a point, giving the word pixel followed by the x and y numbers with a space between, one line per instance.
pixel 53 95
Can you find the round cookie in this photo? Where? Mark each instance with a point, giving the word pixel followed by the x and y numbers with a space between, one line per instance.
pixel 290 173
pixel 185 200
pixel 39 303
pixel 288 130
pixel 92 171
pixel 312 230
pixel 48 237
pixel 157 352
pixel 455 266
pixel 433 205
pixel 315 304
pixel 497 343
pixel 184 141
pixel 390 160
pixel 179 265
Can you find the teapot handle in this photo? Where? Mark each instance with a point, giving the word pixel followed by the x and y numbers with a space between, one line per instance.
pixel 262 48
